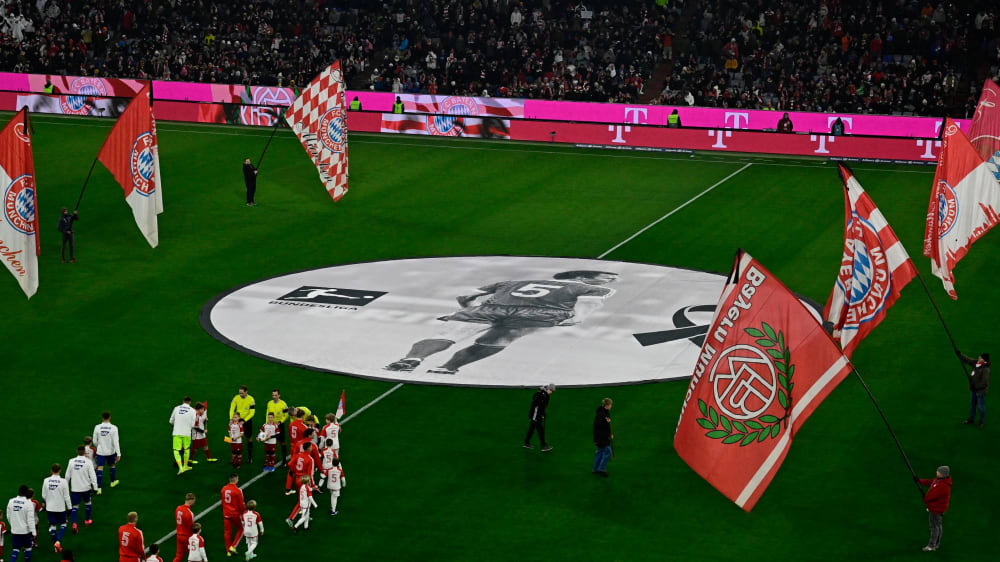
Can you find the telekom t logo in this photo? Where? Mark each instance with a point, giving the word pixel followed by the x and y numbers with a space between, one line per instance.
pixel 823 139
pixel 632 115
pixel 740 119
pixel 930 145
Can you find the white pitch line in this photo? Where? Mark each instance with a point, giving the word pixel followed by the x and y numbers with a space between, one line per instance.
pixel 262 474
pixel 685 204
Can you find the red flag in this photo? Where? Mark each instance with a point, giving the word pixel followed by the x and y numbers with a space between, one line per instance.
pixel 874 269
pixel 984 133
pixel 341 407
pixel 766 364
pixel 19 246
pixel 131 155
pixel 963 205
pixel 319 119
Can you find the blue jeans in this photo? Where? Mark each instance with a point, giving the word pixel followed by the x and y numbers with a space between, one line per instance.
pixel 978 402
pixel 601 458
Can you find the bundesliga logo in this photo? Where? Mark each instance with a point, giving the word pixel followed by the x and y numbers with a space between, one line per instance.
pixel 447 126
pixel 141 164
pixel 744 383
pixel 19 204
pixel 871 280
pixel 947 209
pixel 332 130
pixel 85 87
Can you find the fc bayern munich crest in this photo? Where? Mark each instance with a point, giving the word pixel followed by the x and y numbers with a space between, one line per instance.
pixel 265 116
pixel 19 132
pixel 141 164
pixel 947 208
pixel 446 125
pixel 872 280
pixel 333 129
pixel 81 89
pixel 19 204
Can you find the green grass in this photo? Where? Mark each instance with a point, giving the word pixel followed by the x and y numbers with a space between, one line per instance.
pixel 436 472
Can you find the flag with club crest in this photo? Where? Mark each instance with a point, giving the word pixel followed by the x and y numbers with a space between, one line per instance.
pixel 984 133
pixel 319 118
pixel 342 405
pixel 19 246
pixel 765 365
pixel 131 154
pixel 874 269
pixel 963 205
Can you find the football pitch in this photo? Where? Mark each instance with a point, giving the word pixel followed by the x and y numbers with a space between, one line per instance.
pixel 438 472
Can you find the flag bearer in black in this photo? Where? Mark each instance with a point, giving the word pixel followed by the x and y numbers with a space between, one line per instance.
pixel 539 402
pixel 250 179
pixel 66 221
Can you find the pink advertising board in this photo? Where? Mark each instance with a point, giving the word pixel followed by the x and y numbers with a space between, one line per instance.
pixel 701 117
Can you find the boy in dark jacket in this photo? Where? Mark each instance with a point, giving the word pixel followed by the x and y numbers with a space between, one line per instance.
pixel 936 499
pixel 602 437
pixel 979 384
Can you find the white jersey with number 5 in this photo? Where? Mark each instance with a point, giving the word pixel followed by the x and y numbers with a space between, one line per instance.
pixel 196 549
pixel 252 524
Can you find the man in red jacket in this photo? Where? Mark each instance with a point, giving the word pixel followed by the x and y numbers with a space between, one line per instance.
pixel 130 545
pixel 936 499
pixel 184 519
pixel 232 508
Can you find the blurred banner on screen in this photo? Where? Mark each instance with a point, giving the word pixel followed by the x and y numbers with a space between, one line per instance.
pixel 446 126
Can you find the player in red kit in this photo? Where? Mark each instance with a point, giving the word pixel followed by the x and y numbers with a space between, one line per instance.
pixel 301 464
pixel 232 508
pixel 130 545
pixel 308 444
pixel 297 429
pixel 185 519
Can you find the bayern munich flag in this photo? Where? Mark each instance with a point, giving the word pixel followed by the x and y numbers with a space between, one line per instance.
pixel 874 269
pixel 984 133
pixel 130 153
pixel 319 118
pixel 963 206
pixel 765 365
pixel 19 247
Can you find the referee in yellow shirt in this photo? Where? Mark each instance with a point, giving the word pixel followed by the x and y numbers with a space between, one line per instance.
pixel 244 404
pixel 279 408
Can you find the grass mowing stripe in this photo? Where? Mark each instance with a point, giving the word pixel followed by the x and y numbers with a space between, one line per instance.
pixel 262 473
pixel 685 204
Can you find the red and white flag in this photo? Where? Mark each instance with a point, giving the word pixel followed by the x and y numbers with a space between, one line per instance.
pixel 984 132
pixel 131 155
pixel 874 269
pixel 342 405
pixel 319 118
pixel 19 246
pixel 963 205
pixel 445 125
pixel 766 364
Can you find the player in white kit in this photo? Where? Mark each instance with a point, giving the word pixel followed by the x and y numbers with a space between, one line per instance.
pixel 196 545
pixel 182 419
pixel 23 522
pixel 253 527
pixel 82 481
pixel 331 431
pixel 109 452
pixel 55 493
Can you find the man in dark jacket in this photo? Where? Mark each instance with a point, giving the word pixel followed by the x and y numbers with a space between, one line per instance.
pixel 979 384
pixel 785 124
pixel 66 221
pixel 539 402
pixel 250 179
pixel 936 499
pixel 602 437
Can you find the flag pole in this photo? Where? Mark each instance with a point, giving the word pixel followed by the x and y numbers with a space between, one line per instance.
pixel 943 324
pixel 85 182
pixel 277 123
pixel 889 427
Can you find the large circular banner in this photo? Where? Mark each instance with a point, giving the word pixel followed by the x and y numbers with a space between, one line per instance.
pixel 493 321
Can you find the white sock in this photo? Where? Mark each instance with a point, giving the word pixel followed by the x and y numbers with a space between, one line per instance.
pixel 333 502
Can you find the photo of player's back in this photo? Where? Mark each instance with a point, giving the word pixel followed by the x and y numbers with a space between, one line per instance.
pixel 477 321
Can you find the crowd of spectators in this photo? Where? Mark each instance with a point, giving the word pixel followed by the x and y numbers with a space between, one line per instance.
pixel 879 56
pixel 859 56
pixel 601 50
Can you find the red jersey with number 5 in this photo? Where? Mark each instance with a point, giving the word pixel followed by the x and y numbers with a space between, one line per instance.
pixel 184 519
pixel 232 501
pixel 550 293
pixel 130 544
